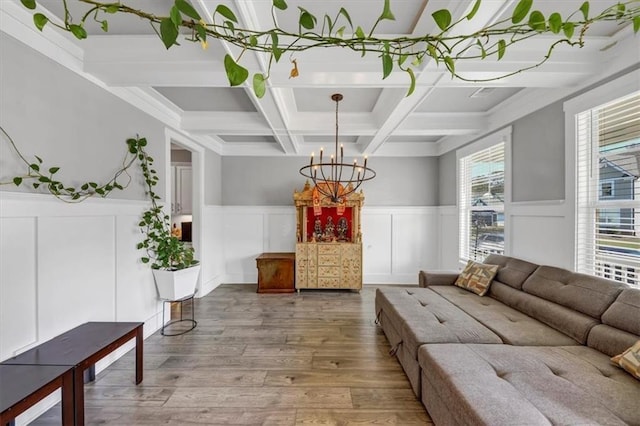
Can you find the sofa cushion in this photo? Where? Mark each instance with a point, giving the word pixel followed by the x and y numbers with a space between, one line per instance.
pixel 476 277
pixel 624 312
pixel 572 323
pixel 629 360
pixel 512 272
pixel 529 385
pixel 583 293
pixel 512 326
pixel 425 317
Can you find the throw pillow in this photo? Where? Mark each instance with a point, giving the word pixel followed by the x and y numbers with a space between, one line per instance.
pixel 477 277
pixel 630 360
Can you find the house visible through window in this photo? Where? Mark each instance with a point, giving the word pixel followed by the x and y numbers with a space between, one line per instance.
pixel 608 190
pixel 481 202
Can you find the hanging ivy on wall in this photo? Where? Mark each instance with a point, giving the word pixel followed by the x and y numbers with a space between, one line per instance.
pixel 338 30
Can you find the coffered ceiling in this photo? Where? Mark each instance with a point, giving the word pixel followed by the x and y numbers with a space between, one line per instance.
pixel 187 87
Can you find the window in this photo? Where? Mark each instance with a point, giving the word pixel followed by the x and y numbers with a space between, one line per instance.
pixel 608 190
pixel 481 199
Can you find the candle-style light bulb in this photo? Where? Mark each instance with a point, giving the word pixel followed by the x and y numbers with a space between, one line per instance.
pixel 311 163
pixel 365 161
pixel 341 151
pixel 321 151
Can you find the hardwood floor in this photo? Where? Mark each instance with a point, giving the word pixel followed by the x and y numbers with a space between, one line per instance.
pixel 314 358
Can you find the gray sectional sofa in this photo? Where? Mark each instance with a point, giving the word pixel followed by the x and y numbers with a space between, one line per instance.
pixel 534 351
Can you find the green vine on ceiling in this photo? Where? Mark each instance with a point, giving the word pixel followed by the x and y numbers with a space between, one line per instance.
pixel 405 53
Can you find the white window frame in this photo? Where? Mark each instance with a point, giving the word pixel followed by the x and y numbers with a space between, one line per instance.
pixel 612 184
pixel 600 95
pixel 501 136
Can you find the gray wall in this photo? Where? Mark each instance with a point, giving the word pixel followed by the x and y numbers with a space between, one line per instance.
pixel 538 155
pixel 212 179
pixel 69 122
pixel 272 180
pixel 447 179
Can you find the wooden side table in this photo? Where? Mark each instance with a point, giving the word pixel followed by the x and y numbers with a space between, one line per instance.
pixel 276 272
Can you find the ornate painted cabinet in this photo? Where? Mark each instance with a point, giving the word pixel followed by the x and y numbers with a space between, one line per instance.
pixel 329 247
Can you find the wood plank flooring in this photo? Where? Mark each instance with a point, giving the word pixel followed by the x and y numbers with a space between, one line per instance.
pixel 314 358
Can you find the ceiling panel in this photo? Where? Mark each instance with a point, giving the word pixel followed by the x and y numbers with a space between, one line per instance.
pixel 247 139
pixel 362 12
pixel 414 139
pixel 329 140
pixel 319 100
pixel 462 99
pixel 119 23
pixel 208 98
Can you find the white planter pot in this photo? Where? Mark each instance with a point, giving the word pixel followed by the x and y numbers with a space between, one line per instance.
pixel 174 285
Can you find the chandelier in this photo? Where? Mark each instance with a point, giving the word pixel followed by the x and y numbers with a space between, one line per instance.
pixel 336 179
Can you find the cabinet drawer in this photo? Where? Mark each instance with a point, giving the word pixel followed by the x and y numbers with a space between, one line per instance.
pixel 328 282
pixel 328 249
pixel 328 271
pixel 328 259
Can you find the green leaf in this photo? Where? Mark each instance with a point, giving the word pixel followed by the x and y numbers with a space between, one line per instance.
pixel 35 167
pixel 230 26
pixel 432 52
pixel 44 179
pixel 144 259
pixel 387 65
pixel 275 50
pixel 521 11
pixel 84 187
pixel 202 32
pixel 17 181
pixel 412 86
pixel 442 18
pixel 483 52
pixel 78 31
pixel 402 59
pixel 621 10
pixel 54 170
pixel 306 19
pixel 226 12
pixel 568 28
pixel 329 23
pixel 280 4
pixel 451 66
pixel 636 24
pixel 175 16
pixel 585 9
pixel 502 46
pixel 235 73
pixel 105 26
pixel 93 185
pixel 474 10
pixel 386 12
pixel 259 86
pixel 555 22
pixel 40 20
pixel 537 21
pixel 29 4
pixel 187 9
pixel 112 8
pixel 36 185
pixel 344 13
pixel 168 32
pixel 340 32
pixel 39 159
pixel 253 41
pixel 359 33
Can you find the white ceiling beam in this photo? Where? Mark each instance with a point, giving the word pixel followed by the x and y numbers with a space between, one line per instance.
pixel 225 123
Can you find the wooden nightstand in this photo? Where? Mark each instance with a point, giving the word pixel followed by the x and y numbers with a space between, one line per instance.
pixel 276 272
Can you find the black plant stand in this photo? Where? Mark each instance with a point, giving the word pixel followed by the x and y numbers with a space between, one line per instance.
pixel 192 321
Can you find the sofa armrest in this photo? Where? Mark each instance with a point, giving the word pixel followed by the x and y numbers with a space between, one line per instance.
pixel 428 278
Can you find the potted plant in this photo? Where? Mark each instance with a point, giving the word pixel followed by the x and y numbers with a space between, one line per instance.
pixel 174 268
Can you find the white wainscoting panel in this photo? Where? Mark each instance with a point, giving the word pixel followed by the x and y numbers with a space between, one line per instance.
pixel 18 292
pixel 136 295
pixel 76 268
pixel 414 242
pixel 540 233
pixel 243 237
pixel 280 235
pixel 212 257
pixel 448 240
pixel 376 245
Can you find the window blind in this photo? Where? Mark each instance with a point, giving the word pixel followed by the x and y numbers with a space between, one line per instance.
pixel 608 190
pixel 481 203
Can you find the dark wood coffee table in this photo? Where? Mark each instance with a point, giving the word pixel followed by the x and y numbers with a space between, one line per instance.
pixel 80 348
pixel 22 386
